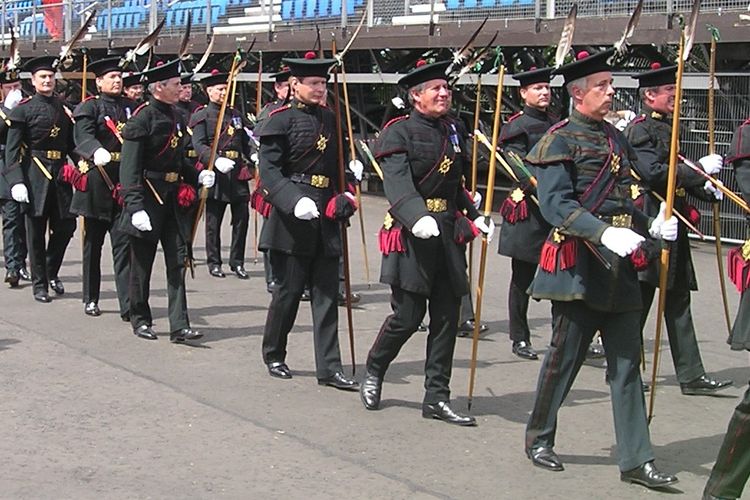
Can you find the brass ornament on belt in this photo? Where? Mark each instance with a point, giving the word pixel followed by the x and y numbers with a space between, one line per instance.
pixel 388 221
pixel 445 165
pixel 557 236
pixel 54 131
pixel 83 166
pixel 322 143
pixel 517 195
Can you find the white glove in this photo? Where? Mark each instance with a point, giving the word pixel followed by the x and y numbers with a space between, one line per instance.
pixel 141 221
pixel 711 164
pixel 223 165
pixel 13 98
pixel 102 157
pixel 254 158
pixel 19 193
pixel 398 102
pixel 356 167
pixel 710 188
pixel 663 229
pixel 621 240
pixel 206 178
pixel 488 229
pixel 626 116
pixel 425 228
pixel 477 199
pixel 306 209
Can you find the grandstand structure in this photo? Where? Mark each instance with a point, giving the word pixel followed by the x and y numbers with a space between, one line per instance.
pixel 396 33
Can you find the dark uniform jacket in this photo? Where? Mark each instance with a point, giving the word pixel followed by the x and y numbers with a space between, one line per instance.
pixel 576 156
pixel 650 135
pixel 298 148
pixel 233 144
pixel 42 128
pixel 186 109
pixel 739 158
pixel 96 118
pixel 155 139
pixel 523 239
pixel 424 163
pixel 4 126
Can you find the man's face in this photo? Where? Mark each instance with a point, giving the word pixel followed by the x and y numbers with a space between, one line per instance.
pixel 186 92
pixel 595 100
pixel 43 82
pixel 110 83
pixel 536 95
pixel 434 99
pixel 310 89
pixel 281 89
pixel 6 88
pixel 216 93
pixel 168 91
pixel 134 92
pixel 661 98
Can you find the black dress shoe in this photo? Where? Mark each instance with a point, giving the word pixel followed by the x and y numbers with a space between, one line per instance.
pixel 422 327
pixel 271 286
pixel 305 297
pixel 240 272
pixel 57 286
pixel 704 385
pixel 524 350
pixel 649 476
pixel 466 328
pixel 340 381
pixel 545 457
pixel 279 369
pixel 42 297
pixel 12 277
pixel 184 334
pixel 369 391
pixel 595 351
pixel 355 298
pixel 24 274
pixel 92 309
pixel 216 271
pixel 125 317
pixel 709 496
pixel 443 411
pixel 145 332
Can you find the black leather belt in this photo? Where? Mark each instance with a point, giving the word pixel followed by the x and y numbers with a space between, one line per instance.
pixel 161 176
pixel 315 180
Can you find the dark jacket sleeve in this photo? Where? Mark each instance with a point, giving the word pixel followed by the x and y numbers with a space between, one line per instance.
pixel 14 147
pixel 84 130
pixel 278 190
pixel 131 175
pixel 201 136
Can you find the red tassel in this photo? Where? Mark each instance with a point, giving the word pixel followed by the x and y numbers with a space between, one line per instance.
pixel 244 174
pixel 199 166
pixel 389 240
pixel 259 204
pixel 513 212
pixel 331 208
pixel 567 252
pixel 639 259
pixel 738 269
pixel 185 195
pixel 117 195
pixel 693 215
pixel 74 177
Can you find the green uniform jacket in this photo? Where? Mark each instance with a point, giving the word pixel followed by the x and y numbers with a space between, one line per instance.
pixel 568 158
pixel 424 158
pixel 650 134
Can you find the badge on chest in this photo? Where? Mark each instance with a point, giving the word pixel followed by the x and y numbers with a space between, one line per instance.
pixel 445 165
pixel 322 143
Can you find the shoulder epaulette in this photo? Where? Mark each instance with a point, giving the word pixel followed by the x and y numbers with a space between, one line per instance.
pixel 558 125
pixel 513 117
pixel 395 120
pixel 199 108
pixel 24 101
pixel 139 108
pixel 656 115
pixel 279 110
pixel 638 119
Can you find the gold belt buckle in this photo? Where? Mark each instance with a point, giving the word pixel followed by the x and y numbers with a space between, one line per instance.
pixel 115 155
pixel 319 181
pixel 171 176
pixel 191 153
pixel 232 155
pixel 622 220
pixel 436 204
pixel 53 155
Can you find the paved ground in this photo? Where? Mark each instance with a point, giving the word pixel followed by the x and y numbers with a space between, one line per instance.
pixel 90 411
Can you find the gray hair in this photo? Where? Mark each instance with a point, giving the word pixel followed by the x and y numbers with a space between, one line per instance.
pixel 642 92
pixel 581 83
pixel 152 87
pixel 417 89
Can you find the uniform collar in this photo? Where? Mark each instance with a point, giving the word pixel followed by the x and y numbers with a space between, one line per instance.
pixel 160 105
pixel 656 115
pixel 586 121
pixel 109 98
pixel 307 108
pixel 535 113
pixel 427 119
pixel 44 98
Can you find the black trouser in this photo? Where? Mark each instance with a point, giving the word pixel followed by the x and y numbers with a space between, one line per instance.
pixel 214 216
pixel 46 257
pixel 732 467
pixel 573 326
pixel 467 309
pixel 683 345
pixel 93 241
pixel 292 273
pixel 14 235
pixel 142 255
pixel 408 310
pixel 522 274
